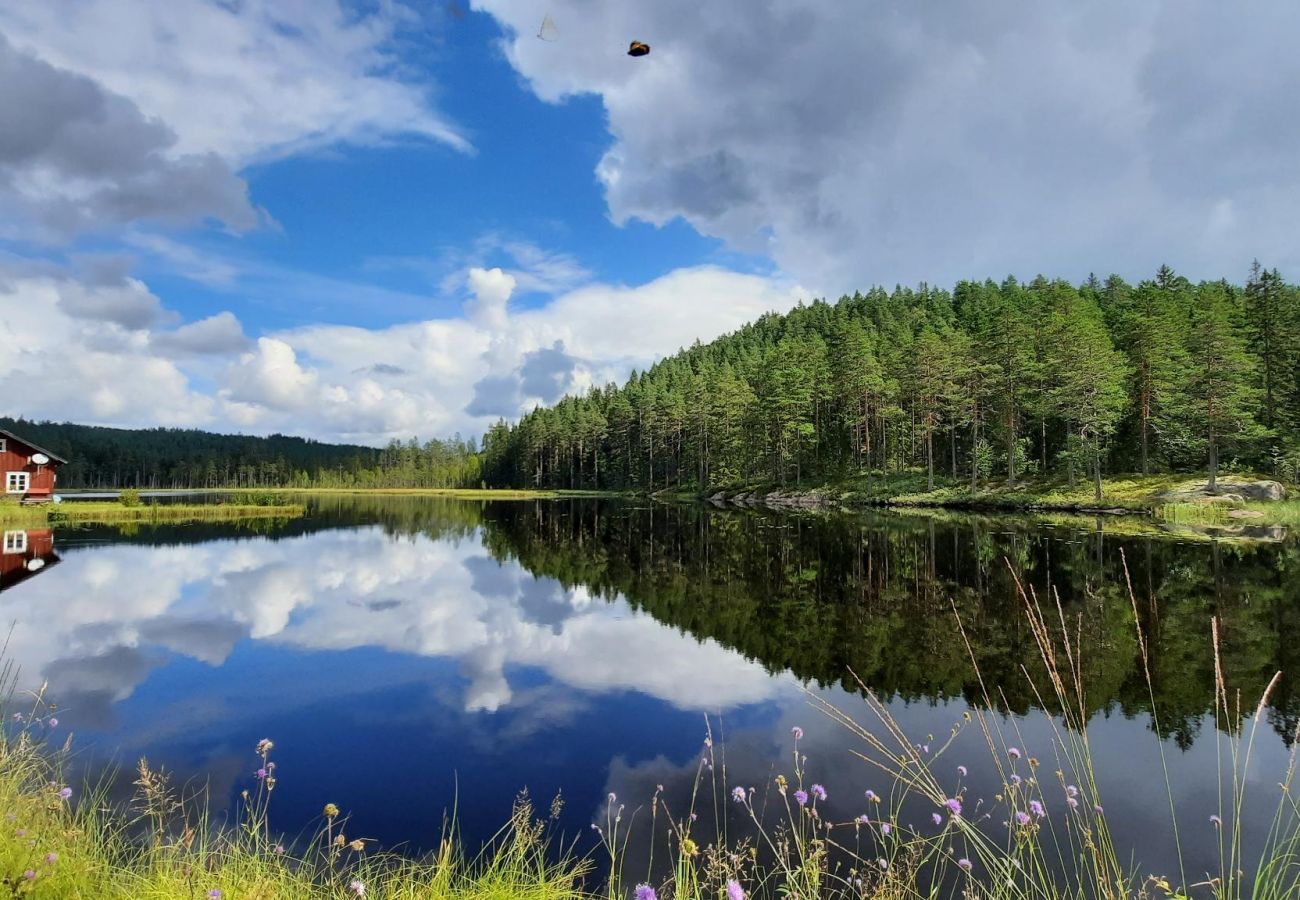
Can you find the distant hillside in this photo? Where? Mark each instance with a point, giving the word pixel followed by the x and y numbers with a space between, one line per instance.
pixel 176 457
pixel 984 381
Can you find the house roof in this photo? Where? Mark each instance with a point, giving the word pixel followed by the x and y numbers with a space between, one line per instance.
pixel 26 443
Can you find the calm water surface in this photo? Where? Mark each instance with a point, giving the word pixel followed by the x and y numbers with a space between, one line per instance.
pixel 411 654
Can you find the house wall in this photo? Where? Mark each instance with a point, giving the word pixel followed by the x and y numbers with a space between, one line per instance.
pixel 14 458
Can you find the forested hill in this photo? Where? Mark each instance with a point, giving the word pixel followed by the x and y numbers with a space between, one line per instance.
pixel 188 458
pixel 984 381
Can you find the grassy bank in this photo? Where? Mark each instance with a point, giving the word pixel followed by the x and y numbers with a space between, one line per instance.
pixel 109 513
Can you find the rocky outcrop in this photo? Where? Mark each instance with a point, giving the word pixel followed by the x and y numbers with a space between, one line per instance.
pixel 1230 491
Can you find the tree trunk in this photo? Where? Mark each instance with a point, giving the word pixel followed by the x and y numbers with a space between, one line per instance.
pixel 1096 469
pixel 1214 463
pixel 929 459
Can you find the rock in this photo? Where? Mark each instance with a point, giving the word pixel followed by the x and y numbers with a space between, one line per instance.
pixel 1260 490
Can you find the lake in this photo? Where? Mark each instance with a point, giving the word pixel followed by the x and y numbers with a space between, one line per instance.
pixel 411 654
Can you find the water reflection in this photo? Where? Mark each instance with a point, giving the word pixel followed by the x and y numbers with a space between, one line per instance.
pixel 403 649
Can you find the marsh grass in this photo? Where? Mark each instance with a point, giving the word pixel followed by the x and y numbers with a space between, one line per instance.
pixel 109 513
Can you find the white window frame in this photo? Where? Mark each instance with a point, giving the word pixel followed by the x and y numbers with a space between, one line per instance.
pixel 4 444
pixel 11 479
pixel 15 542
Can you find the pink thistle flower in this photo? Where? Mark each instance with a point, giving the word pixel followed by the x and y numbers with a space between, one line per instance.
pixel 734 890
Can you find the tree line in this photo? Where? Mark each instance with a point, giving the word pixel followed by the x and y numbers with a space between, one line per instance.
pixel 985 381
pixel 154 458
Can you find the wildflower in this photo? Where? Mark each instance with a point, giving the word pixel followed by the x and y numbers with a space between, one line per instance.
pixel 818 791
pixel 1022 818
pixel 797 732
pixel 51 858
pixel 21 832
pixel 54 723
pixel 1033 762
pixel 1074 804
pixel 872 796
pixel 886 828
pixel 65 793
pixel 1014 753
pixel 961 770
pixel 260 773
pixel 954 806
pixel 331 811
pixel 938 819
pixel 645 892
pixel 964 864
pixel 1216 821
pixel 1072 790
pixel 613 798
pixel 214 894
pixel 357 846
pixel 738 794
pixel 264 746
pixel 279 849
pixel 884 866
pixel 18 717
pixel 1015 779
pixel 801 797
pixel 1097 809
pixel 734 890
pixel 862 820
pixel 1037 809
pixel 357 888
pixel 30 874
pixel 781 783
pixel 689 848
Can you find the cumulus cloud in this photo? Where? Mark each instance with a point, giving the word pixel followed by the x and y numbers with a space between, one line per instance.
pixel 903 141
pixel 75 157
pixel 253 80
pixel 216 335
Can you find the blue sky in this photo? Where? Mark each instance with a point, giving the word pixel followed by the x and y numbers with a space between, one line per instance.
pixel 365 221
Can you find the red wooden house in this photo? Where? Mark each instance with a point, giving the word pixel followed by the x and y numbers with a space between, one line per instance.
pixel 23 553
pixel 28 472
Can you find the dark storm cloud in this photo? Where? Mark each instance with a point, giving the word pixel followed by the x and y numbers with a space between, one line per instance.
pixel 75 157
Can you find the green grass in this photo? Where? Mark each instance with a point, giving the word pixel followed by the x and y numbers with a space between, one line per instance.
pixel 457 493
pixel 92 512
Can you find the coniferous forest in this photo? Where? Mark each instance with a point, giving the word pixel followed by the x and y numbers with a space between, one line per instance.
pixel 984 382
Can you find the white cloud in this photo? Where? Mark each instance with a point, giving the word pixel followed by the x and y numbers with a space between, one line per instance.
pixel 903 141
pixel 216 335
pixel 248 81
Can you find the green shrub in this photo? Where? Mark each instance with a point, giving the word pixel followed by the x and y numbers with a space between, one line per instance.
pixel 129 497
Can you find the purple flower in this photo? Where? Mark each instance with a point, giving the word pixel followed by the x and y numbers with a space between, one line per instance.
pixel 886 828
pixel 645 892
pixel 1097 809
pixel 801 797
pixel 818 791
pixel 1037 809
pixel 1074 804
pixel 260 773
pixel 862 820
pixel 797 732
pixel 938 819
pixel 65 793
pixel 872 796
pixel 1216 821
pixel 54 723
pixel 954 806
pixel 734 890
pixel 21 832
pixel 1022 818
pixel 1072 790
pixel 964 864
pixel 738 794
pixel 961 770
pixel 51 858
pixel 1014 753
pixel 357 888
pixel 1015 779
pixel 279 849
pixel 214 894
pixel 30 874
